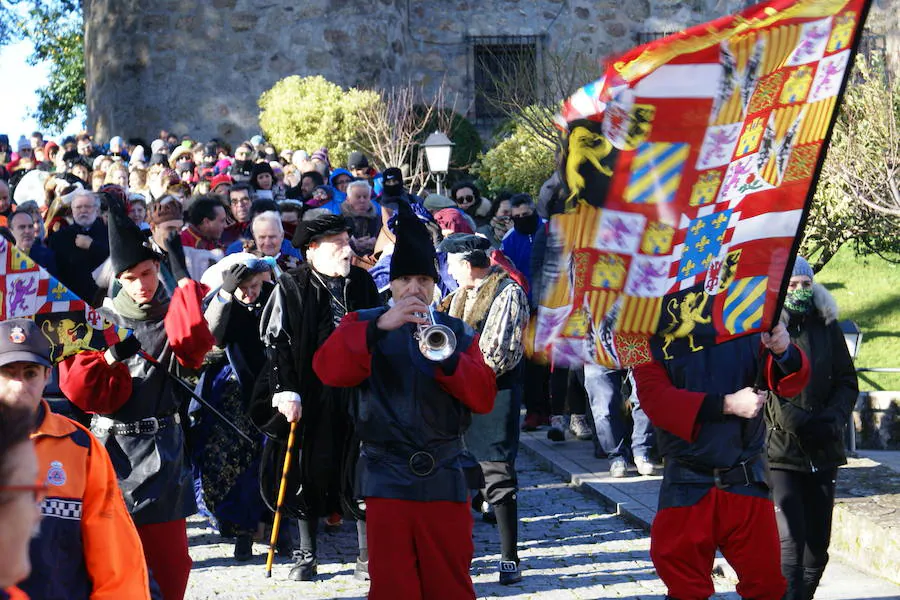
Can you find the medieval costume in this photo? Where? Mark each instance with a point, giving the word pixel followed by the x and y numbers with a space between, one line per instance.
pixel 136 404
pixel 496 307
pixel 303 311
pixel 714 492
pixel 227 465
pixel 410 414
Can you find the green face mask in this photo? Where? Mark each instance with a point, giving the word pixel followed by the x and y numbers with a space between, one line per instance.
pixel 799 301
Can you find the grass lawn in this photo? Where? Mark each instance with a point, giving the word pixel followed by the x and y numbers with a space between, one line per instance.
pixel 867 290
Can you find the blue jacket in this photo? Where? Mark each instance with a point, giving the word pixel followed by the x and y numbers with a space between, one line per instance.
pixel 517 247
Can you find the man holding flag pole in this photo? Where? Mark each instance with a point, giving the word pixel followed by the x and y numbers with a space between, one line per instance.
pixel 136 403
pixel 689 171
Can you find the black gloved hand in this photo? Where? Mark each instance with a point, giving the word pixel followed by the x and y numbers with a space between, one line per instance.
pixel 177 261
pixel 233 277
pixel 125 349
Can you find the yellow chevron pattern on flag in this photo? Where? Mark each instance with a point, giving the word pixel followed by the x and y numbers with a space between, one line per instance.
pixel 743 310
pixel 656 172
pixel 815 124
pixel 639 315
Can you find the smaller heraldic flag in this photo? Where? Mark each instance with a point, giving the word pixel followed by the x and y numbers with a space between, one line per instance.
pixel 69 323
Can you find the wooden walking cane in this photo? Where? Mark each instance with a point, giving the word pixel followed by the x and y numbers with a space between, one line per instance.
pixel 276 524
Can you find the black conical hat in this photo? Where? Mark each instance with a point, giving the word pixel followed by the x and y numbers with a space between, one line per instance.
pixel 128 245
pixel 413 251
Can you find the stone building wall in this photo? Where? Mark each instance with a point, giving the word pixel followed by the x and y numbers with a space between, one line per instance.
pixel 199 68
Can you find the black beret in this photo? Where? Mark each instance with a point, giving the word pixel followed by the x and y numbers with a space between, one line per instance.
pixel 310 231
pixel 457 243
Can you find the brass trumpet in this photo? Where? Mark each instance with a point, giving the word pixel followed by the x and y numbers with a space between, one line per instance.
pixel 436 342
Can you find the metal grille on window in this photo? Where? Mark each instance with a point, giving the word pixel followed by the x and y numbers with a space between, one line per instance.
pixel 505 74
pixel 644 37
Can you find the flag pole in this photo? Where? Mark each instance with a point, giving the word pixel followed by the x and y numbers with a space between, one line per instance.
pixel 196 396
pixel 276 524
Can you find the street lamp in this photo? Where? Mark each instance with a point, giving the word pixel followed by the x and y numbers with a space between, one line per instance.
pixel 437 152
pixel 852 336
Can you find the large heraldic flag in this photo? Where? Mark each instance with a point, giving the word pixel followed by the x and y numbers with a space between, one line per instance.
pixel 68 322
pixel 689 169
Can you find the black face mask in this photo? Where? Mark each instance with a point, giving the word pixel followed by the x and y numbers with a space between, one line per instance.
pixel 527 225
pixel 243 166
pixel 394 191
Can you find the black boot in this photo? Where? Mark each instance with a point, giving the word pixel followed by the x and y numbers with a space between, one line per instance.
pixel 793 574
pixel 508 524
pixel 243 547
pixel 305 568
pixel 811 578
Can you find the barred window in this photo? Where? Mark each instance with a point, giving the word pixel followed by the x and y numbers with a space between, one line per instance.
pixel 644 37
pixel 505 74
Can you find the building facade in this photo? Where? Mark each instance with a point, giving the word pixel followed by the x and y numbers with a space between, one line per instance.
pixel 199 68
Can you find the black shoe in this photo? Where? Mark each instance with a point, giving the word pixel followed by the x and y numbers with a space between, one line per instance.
pixel 243 547
pixel 305 568
pixel 361 572
pixel 509 572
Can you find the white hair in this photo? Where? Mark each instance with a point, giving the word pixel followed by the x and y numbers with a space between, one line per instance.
pixel 269 216
pixel 360 183
pixel 72 196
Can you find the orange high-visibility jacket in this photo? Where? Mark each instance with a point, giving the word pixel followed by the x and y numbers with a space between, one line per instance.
pixel 88 546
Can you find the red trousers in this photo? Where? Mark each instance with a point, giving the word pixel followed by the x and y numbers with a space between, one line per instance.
pixel 166 551
pixel 683 543
pixel 419 550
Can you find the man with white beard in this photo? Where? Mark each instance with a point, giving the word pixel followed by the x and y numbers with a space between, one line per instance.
pixel 82 247
pixel 303 311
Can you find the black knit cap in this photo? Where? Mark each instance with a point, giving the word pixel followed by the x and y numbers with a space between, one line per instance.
pixel 413 252
pixel 460 243
pixel 260 168
pixel 324 226
pixel 128 245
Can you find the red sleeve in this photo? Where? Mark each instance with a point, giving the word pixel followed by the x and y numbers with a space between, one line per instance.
pixel 472 382
pixel 791 384
pixel 186 326
pixel 344 360
pixel 93 385
pixel 667 406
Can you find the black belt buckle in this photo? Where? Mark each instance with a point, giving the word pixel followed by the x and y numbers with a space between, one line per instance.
pixel 148 426
pixel 718 473
pixel 422 464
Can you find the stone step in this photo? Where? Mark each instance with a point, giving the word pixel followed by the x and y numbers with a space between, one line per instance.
pixel 866 530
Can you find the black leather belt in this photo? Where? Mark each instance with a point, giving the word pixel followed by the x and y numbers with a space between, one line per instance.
pixel 149 426
pixel 421 462
pixel 745 473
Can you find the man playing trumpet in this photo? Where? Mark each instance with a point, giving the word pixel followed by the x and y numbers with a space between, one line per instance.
pixel 410 414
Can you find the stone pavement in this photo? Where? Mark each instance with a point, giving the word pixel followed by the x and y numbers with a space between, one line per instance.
pixel 866 510
pixel 570 547
pixel 587 540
